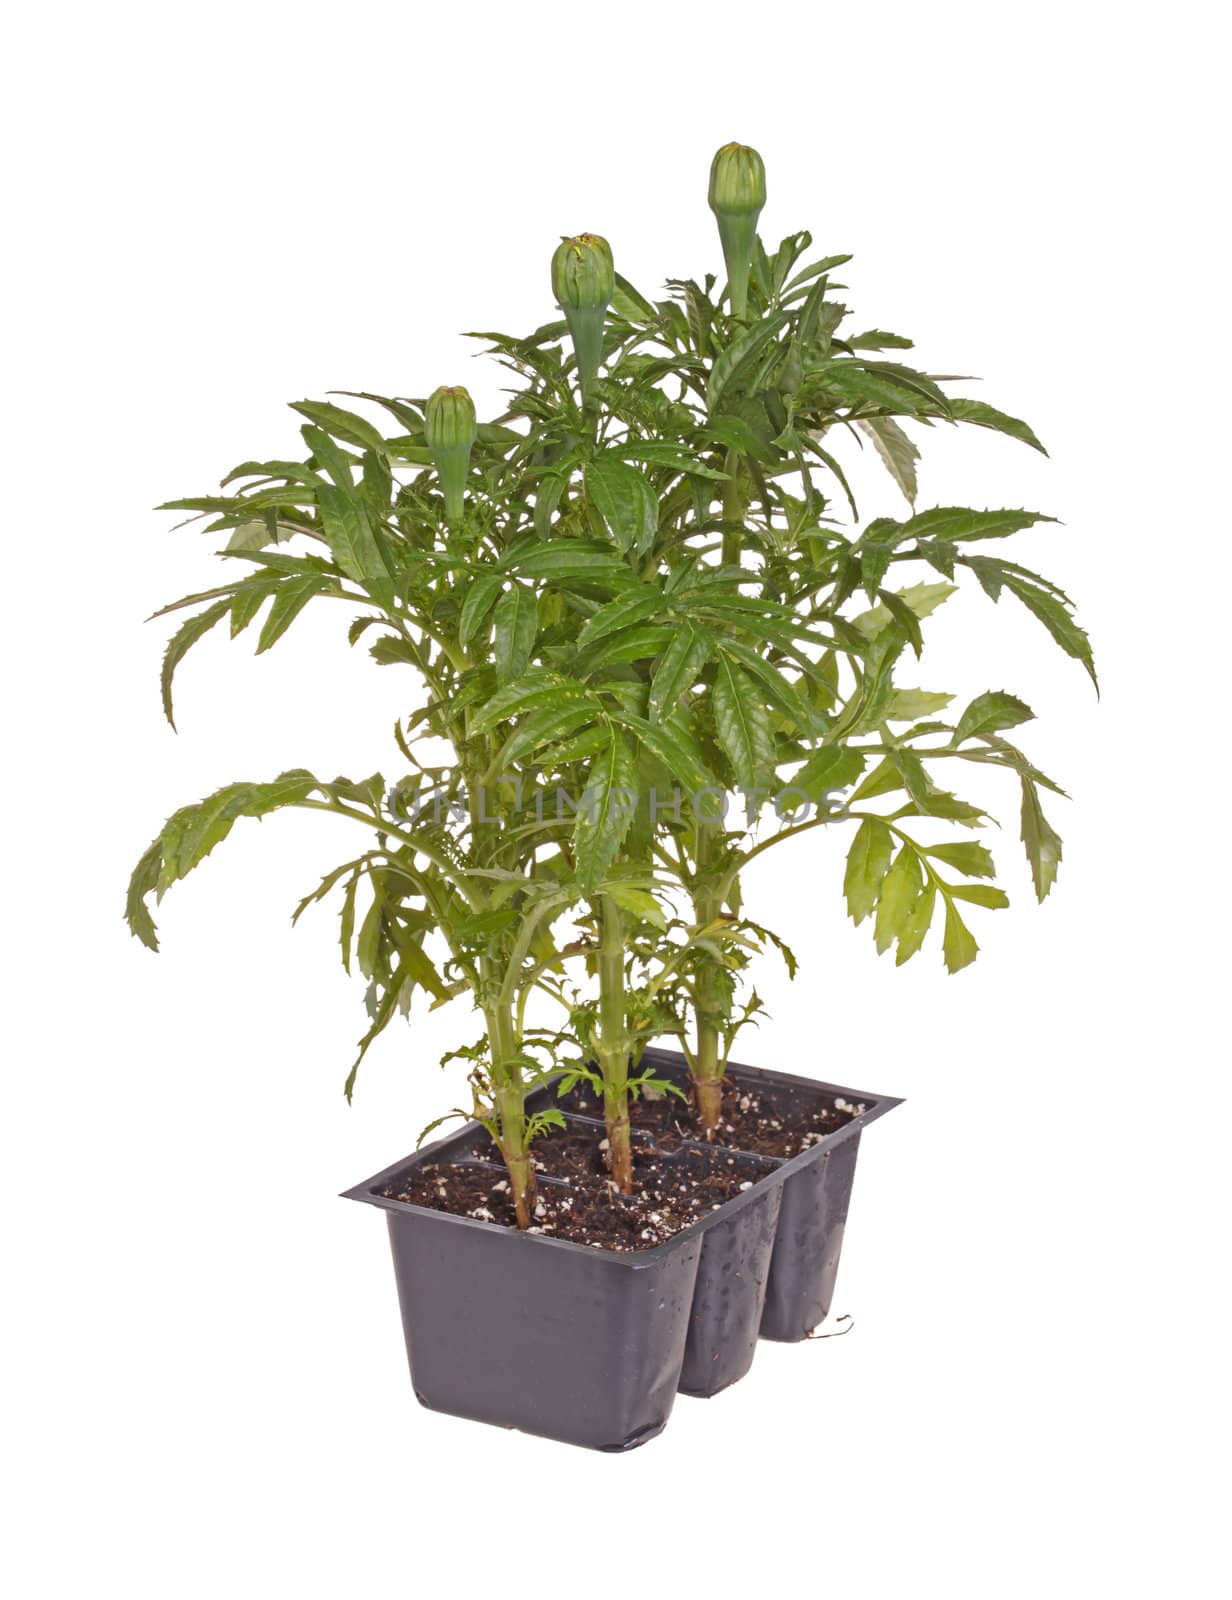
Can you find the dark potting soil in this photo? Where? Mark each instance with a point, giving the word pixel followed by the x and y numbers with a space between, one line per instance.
pixel 671 1191
pixel 781 1123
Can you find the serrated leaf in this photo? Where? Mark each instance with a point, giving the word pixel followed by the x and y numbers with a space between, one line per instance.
pixel 966 857
pixel 868 861
pixel 738 359
pixel 566 561
pixel 1057 619
pixel 625 501
pixel 909 705
pixel 637 605
pixel 778 690
pixel 181 643
pixel 959 949
pixel 191 833
pixel 671 742
pixel 516 624
pixel 679 669
pixel 990 713
pixel 900 889
pixel 249 598
pixel 922 599
pixel 916 925
pixel 604 813
pixel 639 902
pixel 539 687
pixel 348 532
pixel 480 597
pixel 953 523
pixel 347 922
pixel 1043 845
pixel 341 424
pixel 915 780
pixel 289 600
pixel 897 451
pixel 828 770
pixel 980 894
pixel 741 724
pixel 986 417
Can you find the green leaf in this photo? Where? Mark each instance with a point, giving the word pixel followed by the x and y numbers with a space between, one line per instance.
pixel 967 857
pixel 634 644
pixel 637 605
pixel 915 780
pixel 348 532
pixel 639 903
pixel 567 561
pixel 538 687
pixel 483 590
pixel 899 891
pixel 604 813
pixel 986 417
pixel 546 726
pixel 144 882
pixel 341 424
pixel 628 303
pixel 922 599
pixel 1057 619
pixel 191 833
pixel 736 362
pixel 249 598
pixel 516 622
pixel 779 690
pixel 670 741
pixel 289 600
pixel 742 724
pixel 828 770
pixel 330 457
pixel 625 501
pixel 960 522
pixel 347 921
pixel 959 948
pixel 980 894
pixel 182 642
pixel 916 924
pixel 679 669
pixel 868 861
pixel 990 713
pixel 1042 844
pixel 896 450
pixel 909 705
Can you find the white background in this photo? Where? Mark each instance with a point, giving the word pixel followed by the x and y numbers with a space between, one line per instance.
pixel 216 209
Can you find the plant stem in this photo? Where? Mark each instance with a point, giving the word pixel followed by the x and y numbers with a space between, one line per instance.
pixel 509 1095
pixel 612 1046
pixel 708 997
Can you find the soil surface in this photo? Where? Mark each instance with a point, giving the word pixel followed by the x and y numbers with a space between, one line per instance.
pixel 579 1203
pixel 778 1121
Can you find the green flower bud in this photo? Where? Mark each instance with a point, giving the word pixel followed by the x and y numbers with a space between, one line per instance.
pixel 737 195
pixel 583 281
pixel 450 434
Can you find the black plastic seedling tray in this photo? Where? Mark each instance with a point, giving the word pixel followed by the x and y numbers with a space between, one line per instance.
pixel 590 1346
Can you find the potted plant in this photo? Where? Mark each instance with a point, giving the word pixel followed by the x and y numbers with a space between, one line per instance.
pixel 622 603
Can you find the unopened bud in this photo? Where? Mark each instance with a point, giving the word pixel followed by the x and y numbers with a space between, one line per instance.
pixel 583 281
pixel 737 195
pixel 450 433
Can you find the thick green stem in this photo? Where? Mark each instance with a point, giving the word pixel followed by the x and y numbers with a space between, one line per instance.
pixel 586 325
pixel 612 1046
pixel 738 235
pixel 509 1095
